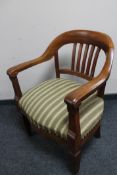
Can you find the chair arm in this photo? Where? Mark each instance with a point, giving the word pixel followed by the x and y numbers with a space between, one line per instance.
pixel 47 55
pixel 77 96
pixel 13 71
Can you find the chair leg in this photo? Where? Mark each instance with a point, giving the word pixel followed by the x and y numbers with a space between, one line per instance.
pixel 27 126
pixel 98 133
pixel 75 162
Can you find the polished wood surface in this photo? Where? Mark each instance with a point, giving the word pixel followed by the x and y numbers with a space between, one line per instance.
pixel 73 56
pixel 86 49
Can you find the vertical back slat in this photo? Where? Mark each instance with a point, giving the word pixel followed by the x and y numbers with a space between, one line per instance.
pixel 90 59
pixel 84 58
pixel 95 62
pixel 73 56
pixel 57 65
pixel 79 57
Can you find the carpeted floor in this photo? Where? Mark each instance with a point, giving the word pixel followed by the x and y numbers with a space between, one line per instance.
pixel 24 155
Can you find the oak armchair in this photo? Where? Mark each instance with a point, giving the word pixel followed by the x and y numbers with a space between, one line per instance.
pixel 63 109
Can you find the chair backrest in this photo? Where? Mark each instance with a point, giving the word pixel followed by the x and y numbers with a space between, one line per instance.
pixel 87 44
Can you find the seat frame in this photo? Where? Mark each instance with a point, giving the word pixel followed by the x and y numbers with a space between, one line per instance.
pixel 73 100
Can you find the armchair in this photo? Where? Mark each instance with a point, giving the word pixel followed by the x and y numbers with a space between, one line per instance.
pixel 62 109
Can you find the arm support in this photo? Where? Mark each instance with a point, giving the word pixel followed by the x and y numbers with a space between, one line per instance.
pixel 74 99
pixel 13 71
pixel 77 96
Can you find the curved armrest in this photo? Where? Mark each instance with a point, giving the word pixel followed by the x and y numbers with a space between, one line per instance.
pixel 13 71
pixel 77 96
pixel 47 55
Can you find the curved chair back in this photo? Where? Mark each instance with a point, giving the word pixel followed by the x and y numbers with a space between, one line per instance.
pixel 86 45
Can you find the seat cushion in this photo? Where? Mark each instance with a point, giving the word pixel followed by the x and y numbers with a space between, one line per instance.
pixel 45 107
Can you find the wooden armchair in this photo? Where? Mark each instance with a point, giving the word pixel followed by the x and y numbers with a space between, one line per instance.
pixel 63 109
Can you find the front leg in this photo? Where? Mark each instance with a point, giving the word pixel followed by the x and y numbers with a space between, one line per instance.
pixel 75 162
pixel 74 138
pixel 16 88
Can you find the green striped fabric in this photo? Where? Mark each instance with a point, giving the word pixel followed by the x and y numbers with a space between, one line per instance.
pixel 45 107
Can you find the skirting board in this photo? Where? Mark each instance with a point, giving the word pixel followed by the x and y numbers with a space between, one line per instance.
pixel 12 102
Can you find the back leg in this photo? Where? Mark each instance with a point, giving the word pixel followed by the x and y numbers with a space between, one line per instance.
pixel 27 126
pixel 98 133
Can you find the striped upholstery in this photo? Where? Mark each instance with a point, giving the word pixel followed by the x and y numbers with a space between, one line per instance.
pixel 45 107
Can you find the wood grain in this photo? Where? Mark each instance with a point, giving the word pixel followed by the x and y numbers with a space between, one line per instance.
pixel 73 56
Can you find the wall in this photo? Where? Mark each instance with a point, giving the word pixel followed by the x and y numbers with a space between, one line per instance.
pixel 27 27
